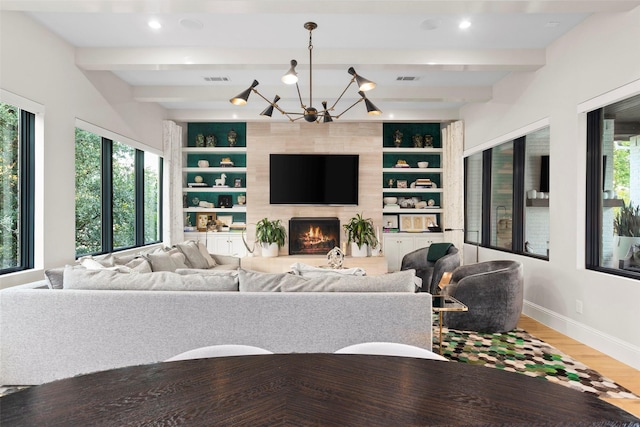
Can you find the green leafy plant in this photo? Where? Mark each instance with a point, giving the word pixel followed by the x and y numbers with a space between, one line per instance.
pixel 627 221
pixel 271 232
pixel 361 231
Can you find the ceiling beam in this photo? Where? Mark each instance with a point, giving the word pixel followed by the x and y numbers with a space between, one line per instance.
pixel 114 59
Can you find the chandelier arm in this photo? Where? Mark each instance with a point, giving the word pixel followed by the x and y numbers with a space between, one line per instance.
pixel 350 107
pixel 304 107
pixel 342 94
pixel 276 106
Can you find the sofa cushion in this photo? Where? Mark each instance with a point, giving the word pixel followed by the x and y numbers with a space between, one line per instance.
pixel 54 277
pixel 191 251
pixel 307 270
pixel 166 261
pixel 254 281
pixel 157 281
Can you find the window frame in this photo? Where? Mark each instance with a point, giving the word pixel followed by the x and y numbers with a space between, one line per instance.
pixel 107 202
pixel 518 196
pixel 26 199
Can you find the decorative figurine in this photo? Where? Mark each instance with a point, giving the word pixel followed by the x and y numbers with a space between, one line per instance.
pixel 211 140
pixel 390 183
pixel 242 199
pixel 335 257
pixel 418 142
pixel 220 182
pixel 397 138
pixel 199 140
pixel 232 137
pixel 428 141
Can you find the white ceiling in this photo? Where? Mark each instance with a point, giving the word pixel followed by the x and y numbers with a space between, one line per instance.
pixel 246 40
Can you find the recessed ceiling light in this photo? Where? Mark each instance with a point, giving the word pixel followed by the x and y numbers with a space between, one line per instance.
pixel 464 24
pixel 156 25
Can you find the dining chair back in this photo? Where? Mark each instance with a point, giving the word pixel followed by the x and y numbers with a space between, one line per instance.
pixel 222 350
pixel 390 349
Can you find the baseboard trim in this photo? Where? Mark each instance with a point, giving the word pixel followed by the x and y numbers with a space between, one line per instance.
pixel 610 345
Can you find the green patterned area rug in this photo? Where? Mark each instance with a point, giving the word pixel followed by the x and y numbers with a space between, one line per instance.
pixel 519 351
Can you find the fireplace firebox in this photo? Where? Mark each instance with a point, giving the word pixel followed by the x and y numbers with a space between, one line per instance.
pixel 313 236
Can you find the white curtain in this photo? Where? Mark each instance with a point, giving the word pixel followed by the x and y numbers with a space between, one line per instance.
pixel 453 176
pixel 173 216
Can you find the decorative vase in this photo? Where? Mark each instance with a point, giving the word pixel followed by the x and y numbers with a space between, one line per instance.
pixel 211 140
pixel 199 140
pixel 418 141
pixel 232 138
pixel 269 250
pixel 359 251
pixel 428 141
pixel 397 138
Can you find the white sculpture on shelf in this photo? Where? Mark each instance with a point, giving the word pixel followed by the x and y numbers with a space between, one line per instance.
pixel 220 181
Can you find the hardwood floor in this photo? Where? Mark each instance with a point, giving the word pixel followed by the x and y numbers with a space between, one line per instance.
pixel 623 374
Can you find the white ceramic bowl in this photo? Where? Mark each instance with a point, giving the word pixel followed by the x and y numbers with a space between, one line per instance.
pixel 423 165
pixel 389 200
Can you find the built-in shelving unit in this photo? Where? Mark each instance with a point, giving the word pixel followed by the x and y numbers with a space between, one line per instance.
pixel 203 167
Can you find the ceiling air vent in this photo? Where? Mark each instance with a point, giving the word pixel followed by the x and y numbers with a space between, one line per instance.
pixel 407 78
pixel 216 79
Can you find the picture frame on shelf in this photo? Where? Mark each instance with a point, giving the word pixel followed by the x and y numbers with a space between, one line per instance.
pixel 225 201
pixel 237 183
pixel 225 220
pixel 390 222
pixel 417 223
pixel 203 219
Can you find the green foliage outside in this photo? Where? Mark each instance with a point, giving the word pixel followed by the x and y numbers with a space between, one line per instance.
pixel 89 196
pixel 621 180
pixel 9 186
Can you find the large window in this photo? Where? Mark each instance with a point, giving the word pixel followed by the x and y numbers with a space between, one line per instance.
pixel 507 196
pixel 16 188
pixel 118 190
pixel 613 188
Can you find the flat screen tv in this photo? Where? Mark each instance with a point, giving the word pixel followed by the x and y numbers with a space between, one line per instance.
pixel 313 179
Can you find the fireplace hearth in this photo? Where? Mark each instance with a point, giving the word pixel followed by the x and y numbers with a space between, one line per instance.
pixel 313 236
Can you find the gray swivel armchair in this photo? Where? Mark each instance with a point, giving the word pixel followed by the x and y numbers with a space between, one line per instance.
pixel 493 292
pixel 429 267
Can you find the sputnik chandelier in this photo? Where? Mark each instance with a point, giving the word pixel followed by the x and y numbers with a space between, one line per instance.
pixel 309 113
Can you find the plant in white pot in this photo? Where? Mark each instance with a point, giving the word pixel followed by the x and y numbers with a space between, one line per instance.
pixel 271 236
pixel 362 235
pixel 627 228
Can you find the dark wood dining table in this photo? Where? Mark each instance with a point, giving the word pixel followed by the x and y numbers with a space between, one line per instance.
pixel 306 389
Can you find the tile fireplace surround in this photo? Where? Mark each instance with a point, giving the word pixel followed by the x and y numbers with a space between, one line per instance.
pixel 313 235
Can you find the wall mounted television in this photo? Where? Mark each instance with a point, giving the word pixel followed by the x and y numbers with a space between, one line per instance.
pixel 313 179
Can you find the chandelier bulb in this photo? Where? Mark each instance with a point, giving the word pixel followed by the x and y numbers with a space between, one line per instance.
pixel 291 77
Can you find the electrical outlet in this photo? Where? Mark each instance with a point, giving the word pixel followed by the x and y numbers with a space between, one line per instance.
pixel 579 306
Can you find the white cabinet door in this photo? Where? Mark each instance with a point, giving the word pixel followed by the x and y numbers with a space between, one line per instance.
pixel 397 245
pixel 226 244
pixel 394 247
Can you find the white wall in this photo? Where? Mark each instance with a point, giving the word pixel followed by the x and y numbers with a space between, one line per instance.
pixel 597 57
pixel 39 66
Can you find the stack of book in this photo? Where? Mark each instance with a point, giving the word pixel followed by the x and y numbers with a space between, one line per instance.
pixel 237 226
pixel 423 183
pixel 198 184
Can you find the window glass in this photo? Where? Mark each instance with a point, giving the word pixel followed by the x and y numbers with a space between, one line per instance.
pixel 502 195
pixel 473 198
pixel 124 196
pixel 536 184
pixel 10 176
pixel 151 198
pixel 620 192
pixel 88 193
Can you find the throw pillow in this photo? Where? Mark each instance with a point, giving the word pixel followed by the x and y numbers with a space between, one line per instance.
pixel 437 251
pixel 205 253
pixel 163 261
pixel 159 281
pixel 194 257
pixel 54 277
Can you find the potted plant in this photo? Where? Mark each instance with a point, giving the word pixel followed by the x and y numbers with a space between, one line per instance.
pixel 361 233
pixel 271 236
pixel 627 228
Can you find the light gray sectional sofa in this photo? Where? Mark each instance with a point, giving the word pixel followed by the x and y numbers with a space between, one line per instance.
pixel 99 322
